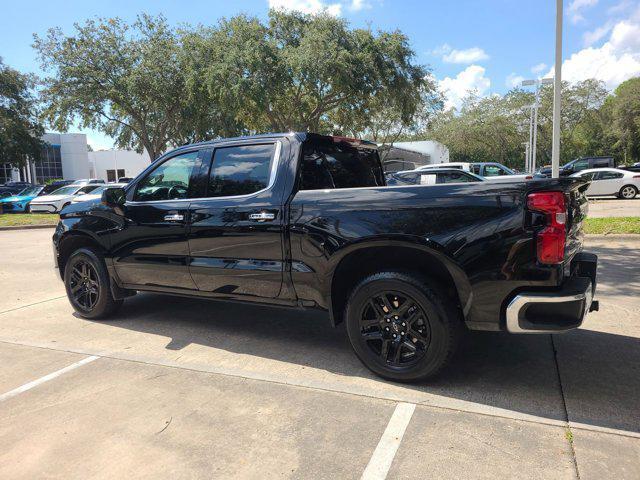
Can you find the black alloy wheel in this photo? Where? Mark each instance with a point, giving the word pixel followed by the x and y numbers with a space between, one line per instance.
pixel 85 285
pixel 88 284
pixel 395 327
pixel 402 326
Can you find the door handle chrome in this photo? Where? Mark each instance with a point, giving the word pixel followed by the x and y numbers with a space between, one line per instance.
pixel 174 217
pixel 262 216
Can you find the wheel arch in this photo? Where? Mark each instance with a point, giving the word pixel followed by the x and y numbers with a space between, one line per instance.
pixel 400 255
pixel 71 241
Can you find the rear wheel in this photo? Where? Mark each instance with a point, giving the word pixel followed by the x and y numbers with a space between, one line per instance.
pixel 401 327
pixel 88 285
pixel 628 192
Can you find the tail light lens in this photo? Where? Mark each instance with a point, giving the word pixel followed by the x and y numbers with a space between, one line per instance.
pixel 551 239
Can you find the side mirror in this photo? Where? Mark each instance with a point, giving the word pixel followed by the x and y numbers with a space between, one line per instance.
pixel 114 197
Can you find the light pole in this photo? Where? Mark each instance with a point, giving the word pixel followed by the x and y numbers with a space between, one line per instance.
pixel 533 120
pixel 557 95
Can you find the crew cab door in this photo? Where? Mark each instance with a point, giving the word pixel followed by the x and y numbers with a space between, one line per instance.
pixel 606 182
pixel 236 230
pixel 151 248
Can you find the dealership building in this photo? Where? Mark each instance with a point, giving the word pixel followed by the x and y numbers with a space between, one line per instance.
pixel 67 156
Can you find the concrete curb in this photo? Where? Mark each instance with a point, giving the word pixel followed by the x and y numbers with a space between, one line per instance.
pixel 614 236
pixel 27 227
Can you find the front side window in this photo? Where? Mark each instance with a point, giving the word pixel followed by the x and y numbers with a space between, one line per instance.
pixel 580 165
pixel 240 170
pixel 169 181
pixel 454 177
pixel 493 171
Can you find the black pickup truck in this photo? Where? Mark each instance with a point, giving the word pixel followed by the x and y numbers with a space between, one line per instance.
pixel 304 220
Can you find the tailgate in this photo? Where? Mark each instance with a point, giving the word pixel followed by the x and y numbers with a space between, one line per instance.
pixel 577 210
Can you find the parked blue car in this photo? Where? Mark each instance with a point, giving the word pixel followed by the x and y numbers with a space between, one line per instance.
pixel 20 201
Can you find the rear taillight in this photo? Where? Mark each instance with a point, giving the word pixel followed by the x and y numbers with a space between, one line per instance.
pixel 528 177
pixel 636 176
pixel 551 239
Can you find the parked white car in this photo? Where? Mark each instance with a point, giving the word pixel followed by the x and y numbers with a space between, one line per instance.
pixel 492 171
pixel 611 181
pixel 97 193
pixel 56 200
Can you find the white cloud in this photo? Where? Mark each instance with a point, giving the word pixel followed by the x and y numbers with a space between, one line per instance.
pixel 357 5
pixel 452 55
pixel 539 68
pixel 514 80
pixel 307 6
pixel 576 7
pixel 617 60
pixel 594 36
pixel 471 80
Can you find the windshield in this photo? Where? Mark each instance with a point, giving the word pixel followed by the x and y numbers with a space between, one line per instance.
pixel 30 191
pixel 65 191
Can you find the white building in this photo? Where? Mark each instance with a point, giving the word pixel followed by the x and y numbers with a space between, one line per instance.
pixel 409 155
pixel 110 165
pixel 66 156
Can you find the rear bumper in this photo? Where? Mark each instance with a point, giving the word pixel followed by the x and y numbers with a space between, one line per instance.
pixel 559 310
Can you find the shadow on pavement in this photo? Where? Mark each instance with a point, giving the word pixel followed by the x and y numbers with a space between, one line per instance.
pixel 518 373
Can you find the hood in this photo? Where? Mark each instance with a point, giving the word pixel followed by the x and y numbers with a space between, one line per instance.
pixel 50 198
pixel 17 198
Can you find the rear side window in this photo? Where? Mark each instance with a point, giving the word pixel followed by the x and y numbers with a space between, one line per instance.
pixel 608 175
pixel 240 170
pixel 327 165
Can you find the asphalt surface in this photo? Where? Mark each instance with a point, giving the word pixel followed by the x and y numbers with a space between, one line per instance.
pixel 600 207
pixel 182 388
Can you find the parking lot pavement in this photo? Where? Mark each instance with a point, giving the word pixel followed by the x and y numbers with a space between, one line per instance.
pixel 284 392
pixel 600 207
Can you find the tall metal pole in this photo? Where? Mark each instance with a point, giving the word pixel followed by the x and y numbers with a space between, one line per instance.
pixel 530 149
pixel 535 129
pixel 557 95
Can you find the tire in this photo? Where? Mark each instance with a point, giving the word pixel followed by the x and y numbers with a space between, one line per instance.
pixel 433 328
pixel 88 285
pixel 628 192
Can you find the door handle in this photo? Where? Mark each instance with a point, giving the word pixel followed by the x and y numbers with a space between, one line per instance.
pixel 262 216
pixel 174 217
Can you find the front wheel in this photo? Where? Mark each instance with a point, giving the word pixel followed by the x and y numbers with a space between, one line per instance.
pixel 401 327
pixel 88 286
pixel 628 192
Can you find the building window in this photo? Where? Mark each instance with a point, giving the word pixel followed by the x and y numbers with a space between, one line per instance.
pixel 112 177
pixel 49 167
pixel 5 173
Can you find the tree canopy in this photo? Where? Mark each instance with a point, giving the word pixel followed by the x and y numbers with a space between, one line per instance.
pixel 151 86
pixel 20 130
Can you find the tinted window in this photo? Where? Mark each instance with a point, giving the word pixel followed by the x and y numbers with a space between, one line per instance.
pixel 327 165
pixel 493 171
pixel 454 177
pixel 475 169
pixel 601 163
pixel 87 189
pixel 608 175
pixel 240 170
pixel 587 176
pixel 408 178
pixel 580 165
pixel 169 181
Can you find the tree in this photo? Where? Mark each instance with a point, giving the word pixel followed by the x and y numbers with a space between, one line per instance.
pixel 624 108
pixel 126 80
pixel 306 72
pixel 20 130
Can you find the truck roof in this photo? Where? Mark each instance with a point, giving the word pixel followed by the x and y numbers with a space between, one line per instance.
pixel 302 136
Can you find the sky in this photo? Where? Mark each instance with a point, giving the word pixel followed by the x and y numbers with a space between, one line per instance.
pixel 485 46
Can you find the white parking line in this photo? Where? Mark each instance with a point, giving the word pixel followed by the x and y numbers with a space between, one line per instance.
pixel 383 455
pixel 46 378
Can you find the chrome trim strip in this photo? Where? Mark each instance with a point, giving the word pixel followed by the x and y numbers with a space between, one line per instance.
pixel 272 180
pixel 520 301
